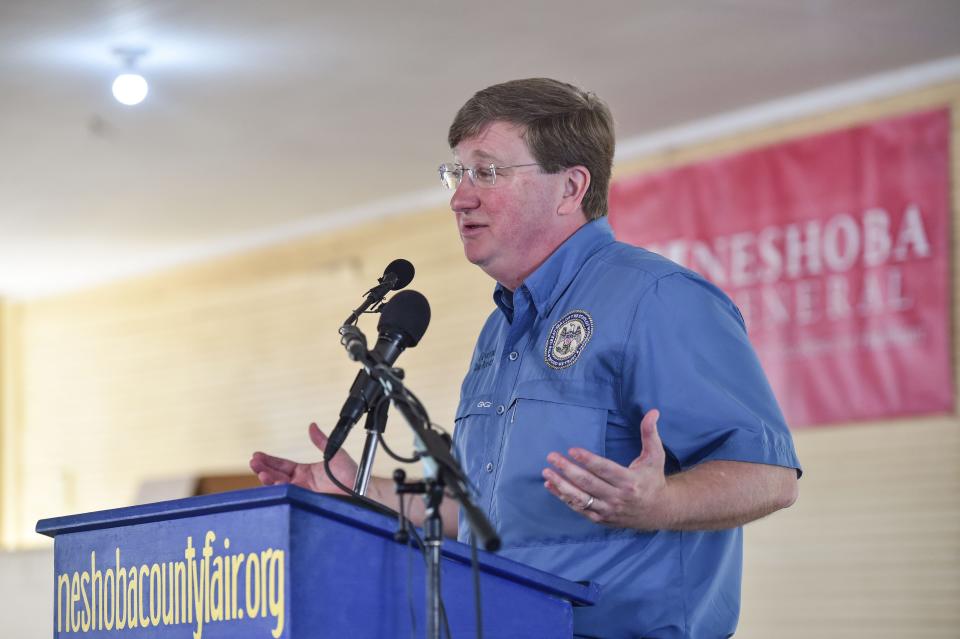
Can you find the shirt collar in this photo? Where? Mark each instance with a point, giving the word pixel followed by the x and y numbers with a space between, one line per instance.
pixel 550 280
pixel 503 298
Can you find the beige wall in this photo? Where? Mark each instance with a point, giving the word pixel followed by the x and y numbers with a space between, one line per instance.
pixel 10 423
pixel 188 371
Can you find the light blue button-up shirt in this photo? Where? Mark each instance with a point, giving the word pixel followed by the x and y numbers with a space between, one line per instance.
pixel 598 335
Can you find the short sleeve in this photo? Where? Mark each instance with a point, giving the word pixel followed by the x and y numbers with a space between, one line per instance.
pixel 687 354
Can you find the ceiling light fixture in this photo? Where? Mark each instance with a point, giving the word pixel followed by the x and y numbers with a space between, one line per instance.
pixel 130 87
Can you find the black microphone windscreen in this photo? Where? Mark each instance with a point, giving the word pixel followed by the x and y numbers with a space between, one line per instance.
pixel 407 312
pixel 403 270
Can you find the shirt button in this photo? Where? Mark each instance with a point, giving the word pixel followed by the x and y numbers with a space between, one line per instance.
pixel 513 356
pixel 488 467
pixel 501 409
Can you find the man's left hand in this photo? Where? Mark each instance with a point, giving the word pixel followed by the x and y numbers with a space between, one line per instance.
pixel 636 496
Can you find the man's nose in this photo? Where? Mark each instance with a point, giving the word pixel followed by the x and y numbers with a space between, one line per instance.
pixel 465 196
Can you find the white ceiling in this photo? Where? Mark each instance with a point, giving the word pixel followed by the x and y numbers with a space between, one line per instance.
pixel 265 118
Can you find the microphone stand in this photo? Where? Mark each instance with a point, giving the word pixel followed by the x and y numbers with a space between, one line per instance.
pixel 432 489
pixel 376 421
pixel 375 425
pixel 442 471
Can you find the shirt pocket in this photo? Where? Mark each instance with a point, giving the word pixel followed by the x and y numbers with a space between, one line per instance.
pixel 547 416
pixel 470 433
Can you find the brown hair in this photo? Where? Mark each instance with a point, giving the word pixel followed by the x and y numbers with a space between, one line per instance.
pixel 563 126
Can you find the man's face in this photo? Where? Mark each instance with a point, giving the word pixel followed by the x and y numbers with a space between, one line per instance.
pixel 508 229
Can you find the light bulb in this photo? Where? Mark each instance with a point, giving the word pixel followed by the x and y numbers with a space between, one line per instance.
pixel 130 88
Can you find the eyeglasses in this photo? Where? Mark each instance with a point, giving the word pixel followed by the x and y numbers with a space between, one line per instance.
pixel 483 176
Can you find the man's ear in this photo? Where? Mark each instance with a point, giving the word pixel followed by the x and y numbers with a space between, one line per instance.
pixel 576 181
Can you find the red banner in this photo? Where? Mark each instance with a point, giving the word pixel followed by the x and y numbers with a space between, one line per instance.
pixel 835 248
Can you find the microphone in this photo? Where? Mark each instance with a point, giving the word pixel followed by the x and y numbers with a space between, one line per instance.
pixel 403 321
pixel 397 275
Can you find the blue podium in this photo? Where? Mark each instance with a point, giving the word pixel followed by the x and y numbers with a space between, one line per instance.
pixel 280 562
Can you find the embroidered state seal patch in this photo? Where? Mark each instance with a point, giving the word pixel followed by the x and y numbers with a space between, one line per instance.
pixel 567 339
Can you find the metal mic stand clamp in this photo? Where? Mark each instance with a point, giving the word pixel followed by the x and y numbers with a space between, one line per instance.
pixel 353 339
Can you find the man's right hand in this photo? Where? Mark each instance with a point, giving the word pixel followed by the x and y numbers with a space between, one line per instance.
pixel 272 470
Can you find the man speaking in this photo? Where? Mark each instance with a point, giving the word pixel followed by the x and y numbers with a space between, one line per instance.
pixel 614 417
